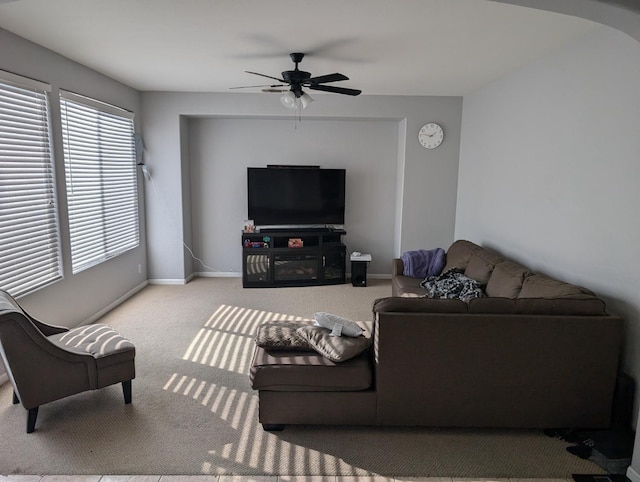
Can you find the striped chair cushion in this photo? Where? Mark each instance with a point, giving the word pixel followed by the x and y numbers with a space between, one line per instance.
pixel 98 340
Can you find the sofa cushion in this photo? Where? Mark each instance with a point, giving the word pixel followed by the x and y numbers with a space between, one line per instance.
pixel 336 348
pixel 481 265
pixel 98 340
pixel 541 286
pixel 418 305
pixel 459 254
pixel 506 280
pixel 290 371
pixel 281 335
pixel 403 286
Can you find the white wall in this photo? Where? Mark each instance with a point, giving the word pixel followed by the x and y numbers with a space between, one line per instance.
pixel 228 131
pixel 76 298
pixel 222 149
pixel 550 171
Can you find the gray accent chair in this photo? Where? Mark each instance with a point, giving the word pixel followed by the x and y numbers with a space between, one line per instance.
pixel 46 363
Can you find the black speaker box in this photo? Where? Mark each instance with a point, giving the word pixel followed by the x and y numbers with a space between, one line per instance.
pixel 359 273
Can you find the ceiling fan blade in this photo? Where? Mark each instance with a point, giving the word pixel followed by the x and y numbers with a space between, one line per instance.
pixel 321 79
pixel 267 76
pixel 335 90
pixel 256 86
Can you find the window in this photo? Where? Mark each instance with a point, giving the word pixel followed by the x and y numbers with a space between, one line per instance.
pixel 29 236
pixel 100 168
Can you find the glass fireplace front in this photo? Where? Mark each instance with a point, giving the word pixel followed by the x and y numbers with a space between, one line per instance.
pixel 291 268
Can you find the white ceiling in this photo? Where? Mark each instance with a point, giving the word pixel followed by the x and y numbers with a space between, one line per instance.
pixel 392 47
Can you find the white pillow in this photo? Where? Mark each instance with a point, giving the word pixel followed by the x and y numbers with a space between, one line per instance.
pixel 338 326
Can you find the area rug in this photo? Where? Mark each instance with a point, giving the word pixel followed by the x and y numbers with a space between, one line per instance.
pixel 194 412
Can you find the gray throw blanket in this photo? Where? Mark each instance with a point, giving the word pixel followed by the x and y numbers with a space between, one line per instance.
pixel 423 263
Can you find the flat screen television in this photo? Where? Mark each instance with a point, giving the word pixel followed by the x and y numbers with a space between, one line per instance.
pixel 288 195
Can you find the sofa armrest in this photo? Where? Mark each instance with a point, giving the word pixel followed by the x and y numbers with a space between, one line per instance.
pixel 397 267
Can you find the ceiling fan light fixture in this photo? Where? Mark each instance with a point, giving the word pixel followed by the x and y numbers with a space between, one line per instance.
pixel 288 100
pixel 305 99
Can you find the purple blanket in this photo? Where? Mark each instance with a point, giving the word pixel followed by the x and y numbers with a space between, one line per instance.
pixel 423 263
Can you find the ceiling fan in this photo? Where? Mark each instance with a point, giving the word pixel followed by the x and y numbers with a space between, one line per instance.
pixel 296 79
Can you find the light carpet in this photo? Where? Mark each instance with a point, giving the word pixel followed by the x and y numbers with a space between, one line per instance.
pixel 194 412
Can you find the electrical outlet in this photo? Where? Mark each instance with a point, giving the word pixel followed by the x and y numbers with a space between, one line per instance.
pixel 139 269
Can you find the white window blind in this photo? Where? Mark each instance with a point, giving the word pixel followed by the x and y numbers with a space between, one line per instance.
pixel 29 236
pixel 100 168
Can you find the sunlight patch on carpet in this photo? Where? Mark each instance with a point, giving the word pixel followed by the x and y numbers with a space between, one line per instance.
pixel 226 340
pixel 255 447
pixel 227 403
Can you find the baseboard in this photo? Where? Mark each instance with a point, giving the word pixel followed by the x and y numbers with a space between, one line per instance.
pixel 219 274
pixel 632 475
pixel 172 281
pixel 168 281
pixel 115 303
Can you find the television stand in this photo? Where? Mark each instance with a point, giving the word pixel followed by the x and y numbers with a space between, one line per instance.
pixel 293 257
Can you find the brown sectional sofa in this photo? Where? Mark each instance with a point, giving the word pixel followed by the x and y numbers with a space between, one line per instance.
pixel 534 353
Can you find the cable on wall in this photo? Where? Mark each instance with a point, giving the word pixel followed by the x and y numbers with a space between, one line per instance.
pixel 147 175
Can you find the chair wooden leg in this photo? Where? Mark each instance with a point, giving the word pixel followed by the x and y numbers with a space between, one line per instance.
pixel 31 419
pixel 126 389
pixel 15 398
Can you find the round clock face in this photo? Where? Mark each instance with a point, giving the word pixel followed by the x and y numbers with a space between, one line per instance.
pixel 431 135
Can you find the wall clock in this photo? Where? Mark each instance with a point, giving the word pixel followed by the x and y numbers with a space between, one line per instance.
pixel 431 135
